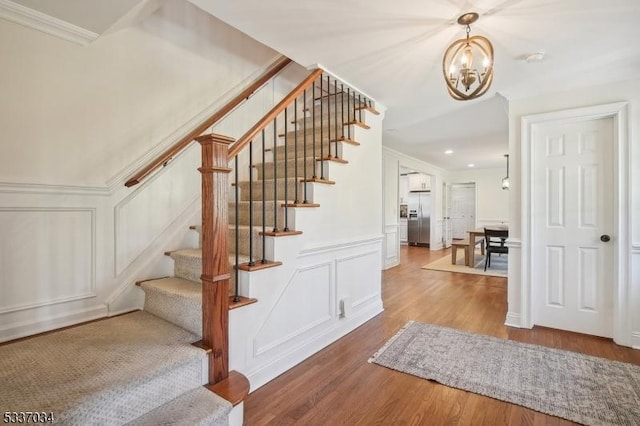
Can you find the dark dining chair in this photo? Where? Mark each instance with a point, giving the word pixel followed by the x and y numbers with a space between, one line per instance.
pixel 494 243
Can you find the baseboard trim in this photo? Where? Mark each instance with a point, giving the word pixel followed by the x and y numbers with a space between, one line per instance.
pixel 513 320
pixel 635 339
pixel 29 328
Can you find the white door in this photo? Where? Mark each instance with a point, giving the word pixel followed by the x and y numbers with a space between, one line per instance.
pixel 572 270
pixel 463 209
pixel 447 234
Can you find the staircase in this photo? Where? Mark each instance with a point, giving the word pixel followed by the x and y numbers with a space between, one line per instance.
pixel 157 360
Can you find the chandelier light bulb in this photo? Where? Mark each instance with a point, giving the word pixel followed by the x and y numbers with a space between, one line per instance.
pixel 467 58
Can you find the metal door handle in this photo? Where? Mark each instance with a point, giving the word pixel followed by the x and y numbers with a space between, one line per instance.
pixel 605 238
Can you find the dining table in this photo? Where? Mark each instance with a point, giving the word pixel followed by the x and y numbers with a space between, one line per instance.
pixel 479 232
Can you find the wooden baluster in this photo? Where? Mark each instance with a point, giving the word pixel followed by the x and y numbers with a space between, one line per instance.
pixel 215 252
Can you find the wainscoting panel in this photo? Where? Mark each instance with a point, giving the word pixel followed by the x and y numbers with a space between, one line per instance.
pixel 292 315
pixel 149 210
pixel 392 245
pixel 354 276
pixel 47 256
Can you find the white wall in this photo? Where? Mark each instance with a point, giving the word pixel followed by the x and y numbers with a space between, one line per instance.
pixel 76 121
pixel 391 161
pixel 625 91
pixel 492 202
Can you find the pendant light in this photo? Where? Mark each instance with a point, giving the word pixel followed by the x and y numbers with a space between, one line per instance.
pixel 461 60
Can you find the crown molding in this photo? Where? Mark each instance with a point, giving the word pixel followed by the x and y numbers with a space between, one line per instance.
pixel 27 17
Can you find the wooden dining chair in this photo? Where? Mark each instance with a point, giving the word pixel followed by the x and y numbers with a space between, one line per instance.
pixel 494 243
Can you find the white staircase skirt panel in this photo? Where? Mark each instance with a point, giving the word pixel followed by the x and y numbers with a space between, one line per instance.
pixel 307 312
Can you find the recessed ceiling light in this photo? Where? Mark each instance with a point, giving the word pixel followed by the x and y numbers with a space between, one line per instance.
pixel 470 165
pixel 449 151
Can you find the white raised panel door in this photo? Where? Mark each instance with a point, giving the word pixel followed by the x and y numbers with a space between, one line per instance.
pixel 463 207
pixel 447 233
pixel 572 273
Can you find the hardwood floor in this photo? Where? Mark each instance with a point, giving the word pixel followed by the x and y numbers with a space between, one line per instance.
pixel 338 387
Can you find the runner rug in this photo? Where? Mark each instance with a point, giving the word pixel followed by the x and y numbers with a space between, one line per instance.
pixel 581 388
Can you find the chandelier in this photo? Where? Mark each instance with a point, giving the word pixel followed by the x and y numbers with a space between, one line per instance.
pixel 464 79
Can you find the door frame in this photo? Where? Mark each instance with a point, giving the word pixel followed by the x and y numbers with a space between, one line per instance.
pixel 621 215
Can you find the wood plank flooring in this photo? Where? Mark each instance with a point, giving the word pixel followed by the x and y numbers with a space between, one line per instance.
pixel 338 387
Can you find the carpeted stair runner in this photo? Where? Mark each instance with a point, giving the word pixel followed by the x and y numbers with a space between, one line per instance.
pixel 199 407
pixel 108 372
pixel 176 300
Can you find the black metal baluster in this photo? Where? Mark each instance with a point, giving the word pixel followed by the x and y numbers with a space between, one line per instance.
pixel 264 205
pixel 313 126
pixel 335 116
pixel 342 106
pixel 321 130
pixel 304 138
pixel 359 109
pixel 295 147
pixel 328 116
pixel 348 112
pixel 286 172
pixel 354 107
pixel 275 176
pixel 251 262
pixel 236 296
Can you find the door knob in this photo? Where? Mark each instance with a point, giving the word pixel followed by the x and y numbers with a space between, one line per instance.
pixel 605 238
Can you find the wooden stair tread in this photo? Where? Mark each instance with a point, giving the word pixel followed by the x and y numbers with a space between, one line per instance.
pixel 300 205
pixel 281 233
pixel 243 301
pixel 319 180
pixel 333 159
pixel 347 140
pixel 258 265
pixel 368 108
pixel 234 388
pixel 359 124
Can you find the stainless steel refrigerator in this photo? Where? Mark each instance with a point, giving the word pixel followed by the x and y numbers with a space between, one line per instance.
pixel 419 220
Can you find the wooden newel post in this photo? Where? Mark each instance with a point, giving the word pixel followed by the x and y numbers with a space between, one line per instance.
pixel 215 252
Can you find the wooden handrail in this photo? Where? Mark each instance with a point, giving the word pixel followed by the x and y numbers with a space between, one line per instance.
pixel 167 155
pixel 247 137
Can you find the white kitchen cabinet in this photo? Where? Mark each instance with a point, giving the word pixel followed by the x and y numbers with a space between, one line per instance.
pixel 419 182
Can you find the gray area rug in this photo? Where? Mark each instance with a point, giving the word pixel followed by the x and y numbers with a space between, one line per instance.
pixel 581 388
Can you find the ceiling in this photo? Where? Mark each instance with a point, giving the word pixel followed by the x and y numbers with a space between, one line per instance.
pixel 392 50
